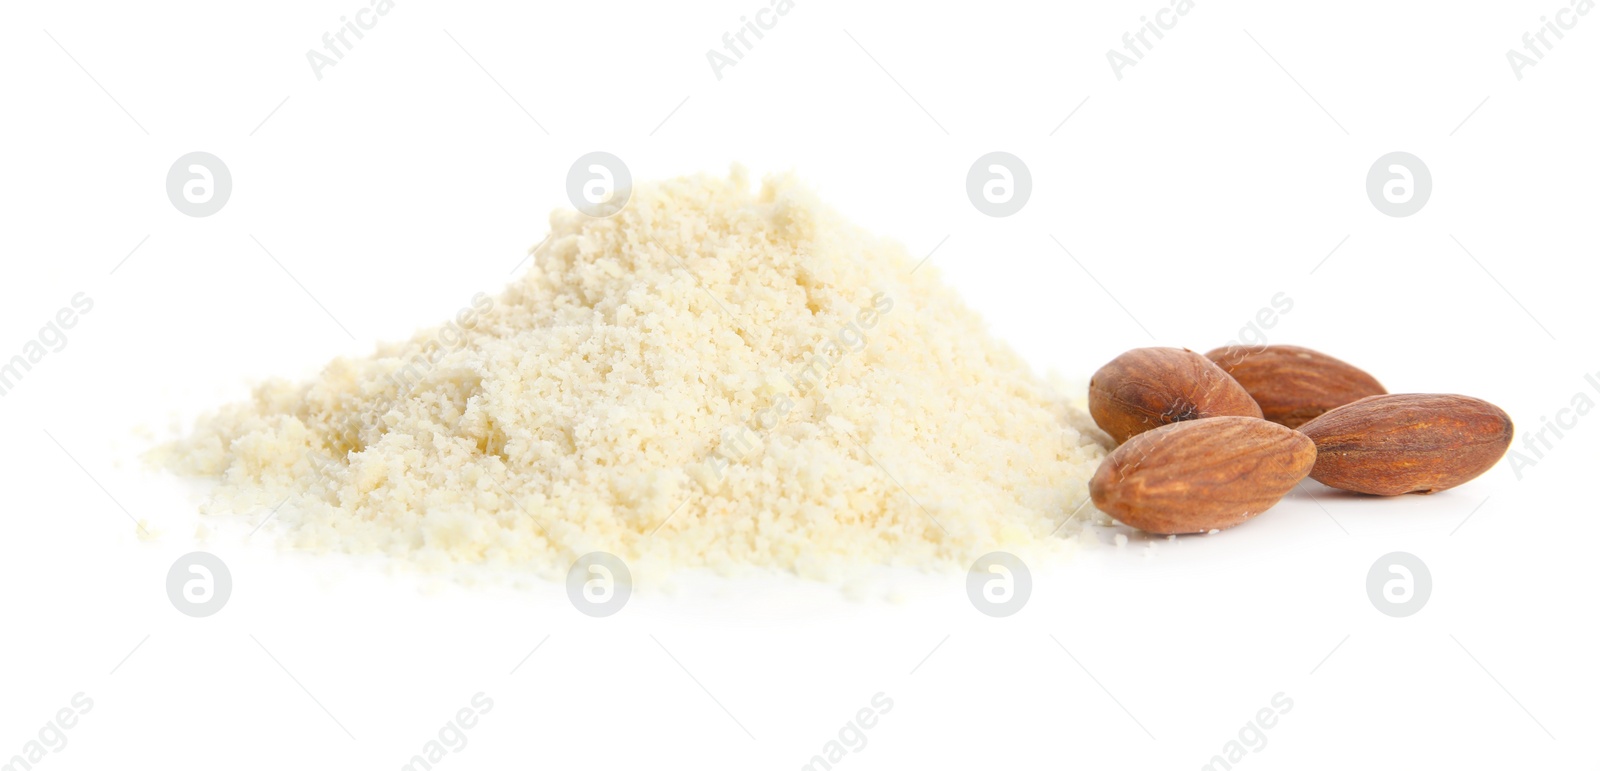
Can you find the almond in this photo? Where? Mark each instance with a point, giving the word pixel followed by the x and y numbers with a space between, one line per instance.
pixel 1294 384
pixel 1201 475
pixel 1149 388
pixel 1408 443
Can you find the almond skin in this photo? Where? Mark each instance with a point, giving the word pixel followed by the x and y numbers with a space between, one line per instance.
pixel 1294 384
pixel 1148 388
pixel 1201 475
pixel 1408 443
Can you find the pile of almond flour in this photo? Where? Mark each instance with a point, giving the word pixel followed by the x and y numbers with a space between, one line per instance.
pixel 712 377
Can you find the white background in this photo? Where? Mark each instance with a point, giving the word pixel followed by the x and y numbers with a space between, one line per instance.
pixel 1190 192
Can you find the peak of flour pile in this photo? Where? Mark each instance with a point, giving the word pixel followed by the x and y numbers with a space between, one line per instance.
pixel 712 377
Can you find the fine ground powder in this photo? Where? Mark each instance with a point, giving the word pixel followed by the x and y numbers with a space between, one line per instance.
pixel 712 377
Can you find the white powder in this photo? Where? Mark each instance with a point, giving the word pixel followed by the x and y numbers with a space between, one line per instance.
pixel 710 378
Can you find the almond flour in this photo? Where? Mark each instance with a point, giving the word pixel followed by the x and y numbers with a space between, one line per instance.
pixel 711 378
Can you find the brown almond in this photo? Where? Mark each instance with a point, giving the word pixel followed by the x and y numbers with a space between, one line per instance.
pixel 1201 475
pixel 1294 384
pixel 1408 443
pixel 1148 388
